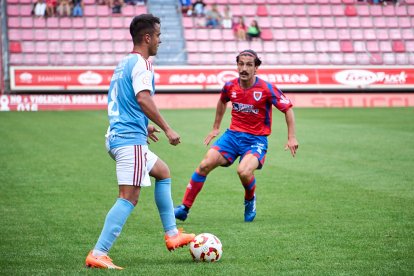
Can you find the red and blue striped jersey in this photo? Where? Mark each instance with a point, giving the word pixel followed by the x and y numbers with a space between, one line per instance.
pixel 252 107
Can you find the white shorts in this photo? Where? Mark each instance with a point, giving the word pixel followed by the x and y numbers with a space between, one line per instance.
pixel 133 164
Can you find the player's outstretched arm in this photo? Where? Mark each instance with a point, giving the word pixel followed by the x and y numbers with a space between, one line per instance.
pixel 220 110
pixel 149 108
pixel 292 143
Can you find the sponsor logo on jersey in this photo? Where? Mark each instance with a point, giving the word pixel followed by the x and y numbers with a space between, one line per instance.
pixel 246 108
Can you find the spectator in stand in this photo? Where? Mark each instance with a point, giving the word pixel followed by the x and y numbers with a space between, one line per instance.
pixel 227 21
pixel 185 6
pixel 39 8
pixel 77 8
pixel 51 7
pixel 198 8
pixel 64 8
pixel 213 17
pixel 253 31
pixel 116 6
pixel 239 29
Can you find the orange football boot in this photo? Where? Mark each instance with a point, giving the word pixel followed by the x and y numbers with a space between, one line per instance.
pixel 179 240
pixel 100 262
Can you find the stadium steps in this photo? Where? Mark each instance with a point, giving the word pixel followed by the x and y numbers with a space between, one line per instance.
pixel 171 50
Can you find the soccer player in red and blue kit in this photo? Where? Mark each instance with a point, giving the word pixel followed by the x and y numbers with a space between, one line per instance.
pixel 251 119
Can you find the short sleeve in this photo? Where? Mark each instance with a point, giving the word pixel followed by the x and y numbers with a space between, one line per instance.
pixel 142 78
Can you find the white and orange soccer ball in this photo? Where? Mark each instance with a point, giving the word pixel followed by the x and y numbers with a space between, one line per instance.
pixel 206 247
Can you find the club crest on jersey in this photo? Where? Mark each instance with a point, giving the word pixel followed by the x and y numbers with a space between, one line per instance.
pixel 257 95
pixel 234 94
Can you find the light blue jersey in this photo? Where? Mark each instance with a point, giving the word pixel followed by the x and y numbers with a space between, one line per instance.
pixel 127 122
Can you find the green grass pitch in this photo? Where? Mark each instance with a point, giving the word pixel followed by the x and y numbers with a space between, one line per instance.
pixel 343 206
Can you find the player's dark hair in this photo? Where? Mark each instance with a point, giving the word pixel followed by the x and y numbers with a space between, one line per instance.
pixel 141 25
pixel 251 53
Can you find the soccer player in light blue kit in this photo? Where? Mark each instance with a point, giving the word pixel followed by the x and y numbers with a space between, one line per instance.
pixel 130 107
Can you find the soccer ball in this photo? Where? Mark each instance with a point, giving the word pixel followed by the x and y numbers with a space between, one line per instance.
pixel 206 247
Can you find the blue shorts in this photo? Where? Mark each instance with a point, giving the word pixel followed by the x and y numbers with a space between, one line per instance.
pixel 233 144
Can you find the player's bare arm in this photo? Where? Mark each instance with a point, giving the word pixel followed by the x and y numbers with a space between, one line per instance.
pixel 292 143
pixel 220 110
pixel 151 111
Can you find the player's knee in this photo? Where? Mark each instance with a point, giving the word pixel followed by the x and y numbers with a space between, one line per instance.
pixel 244 173
pixel 204 168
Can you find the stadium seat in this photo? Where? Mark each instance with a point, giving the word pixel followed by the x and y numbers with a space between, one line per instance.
pixel 389 59
pixel 385 46
pixel 350 10
pixel 403 59
pixel 15 47
pixel 40 34
pixel 67 47
pixel 395 33
pixel 13 22
pixel 53 34
pixel 39 23
pixel 89 10
pixel 262 10
pixel 372 46
pixel 26 22
pixel 376 59
pixel 346 46
pixel 266 34
pixel 398 46
pixel 104 22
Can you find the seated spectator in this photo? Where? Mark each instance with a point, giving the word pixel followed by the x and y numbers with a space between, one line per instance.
pixel 213 17
pixel 239 29
pixel 116 6
pixel 253 31
pixel 64 8
pixel 77 8
pixel 51 7
pixel 39 8
pixel 198 8
pixel 185 6
pixel 227 21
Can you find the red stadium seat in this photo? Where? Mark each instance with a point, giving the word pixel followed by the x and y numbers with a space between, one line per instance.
pixel 262 10
pixel 398 46
pixel 350 10
pixel 15 47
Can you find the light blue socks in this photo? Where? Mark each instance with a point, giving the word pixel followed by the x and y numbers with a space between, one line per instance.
pixel 162 195
pixel 115 220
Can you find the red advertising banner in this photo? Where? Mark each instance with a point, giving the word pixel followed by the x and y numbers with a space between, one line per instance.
pixel 204 78
pixel 181 101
